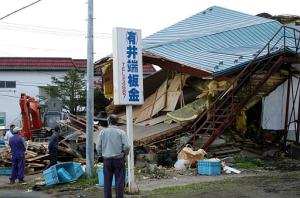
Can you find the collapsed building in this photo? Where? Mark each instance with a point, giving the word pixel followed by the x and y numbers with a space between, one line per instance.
pixel 218 67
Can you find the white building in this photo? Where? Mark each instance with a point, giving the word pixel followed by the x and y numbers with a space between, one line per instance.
pixel 274 108
pixel 29 76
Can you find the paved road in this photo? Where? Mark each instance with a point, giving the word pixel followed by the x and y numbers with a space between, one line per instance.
pixel 22 194
pixel 9 193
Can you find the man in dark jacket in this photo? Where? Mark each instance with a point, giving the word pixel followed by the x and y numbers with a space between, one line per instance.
pixel 53 146
pixel 17 146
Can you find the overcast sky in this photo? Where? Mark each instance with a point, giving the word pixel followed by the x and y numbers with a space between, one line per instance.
pixel 57 28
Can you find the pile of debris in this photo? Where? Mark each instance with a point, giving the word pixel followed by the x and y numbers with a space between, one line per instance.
pixel 74 136
pixel 71 147
pixel 36 157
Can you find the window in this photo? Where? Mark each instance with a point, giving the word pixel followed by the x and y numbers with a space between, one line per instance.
pixel 2 84
pixel 43 93
pixel 10 84
pixel 7 84
pixel 2 119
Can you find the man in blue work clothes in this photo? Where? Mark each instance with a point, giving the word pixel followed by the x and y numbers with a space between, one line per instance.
pixel 53 146
pixel 17 148
pixel 112 144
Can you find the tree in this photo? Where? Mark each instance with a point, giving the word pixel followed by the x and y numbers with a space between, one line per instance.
pixel 100 102
pixel 71 90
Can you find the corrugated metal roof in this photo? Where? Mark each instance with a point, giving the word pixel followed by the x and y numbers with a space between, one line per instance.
pixel 214 40
pixel 211 21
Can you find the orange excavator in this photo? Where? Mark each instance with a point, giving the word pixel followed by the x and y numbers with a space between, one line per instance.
pixel 31 116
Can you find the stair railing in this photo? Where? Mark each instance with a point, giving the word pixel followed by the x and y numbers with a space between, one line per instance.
pixel 247 72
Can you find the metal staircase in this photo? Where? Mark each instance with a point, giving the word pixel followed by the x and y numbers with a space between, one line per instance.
pixel 222 112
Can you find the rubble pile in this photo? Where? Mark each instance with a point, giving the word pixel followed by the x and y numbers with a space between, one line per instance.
pixel 36 157
pixel 71 147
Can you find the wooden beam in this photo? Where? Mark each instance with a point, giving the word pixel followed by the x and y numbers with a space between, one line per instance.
pixel 164 134
pixel 37 158
pixel 173 66
pixel 153 121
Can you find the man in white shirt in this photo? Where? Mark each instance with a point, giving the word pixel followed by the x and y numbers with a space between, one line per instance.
pixel 9 133
pixel 113 145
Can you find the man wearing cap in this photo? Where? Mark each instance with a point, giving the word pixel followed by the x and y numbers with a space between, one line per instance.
pixel 17 146
pixel 9 133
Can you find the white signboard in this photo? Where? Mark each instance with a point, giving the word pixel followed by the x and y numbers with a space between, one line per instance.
pixel 127 67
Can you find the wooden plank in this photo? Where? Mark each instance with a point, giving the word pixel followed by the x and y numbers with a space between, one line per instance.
pixel 178 82
pixel 76 128
pixel 161 97
pixel 35 165
pixel 38 145
pixel 175 91
pixel 72 135
pixel 37 158
pixel 80 121
pixel 158 136
pixel 175 83
pixel 144 112
pixel 30 154
pixel 71 150
pixel 77 117
pixel 172 100
pixel 153 121
pixel 161 100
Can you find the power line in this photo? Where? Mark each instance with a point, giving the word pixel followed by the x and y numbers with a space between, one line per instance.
pixel 19 10
pixel 36 48
pixel 54 31
pixel 46 28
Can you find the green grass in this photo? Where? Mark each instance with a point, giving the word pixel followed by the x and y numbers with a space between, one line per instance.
pixel 246 166
pixel 191 189
pixel 247 163
pixel 180 189
pixel 83 182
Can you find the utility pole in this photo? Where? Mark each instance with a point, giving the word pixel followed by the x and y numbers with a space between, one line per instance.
pixel 90 93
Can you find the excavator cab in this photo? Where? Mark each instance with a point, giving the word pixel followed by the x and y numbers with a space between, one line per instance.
pixel 33 126
pixel 53 112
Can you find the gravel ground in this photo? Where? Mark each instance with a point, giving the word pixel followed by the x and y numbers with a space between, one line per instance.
pixel 275 185
pixel 247 184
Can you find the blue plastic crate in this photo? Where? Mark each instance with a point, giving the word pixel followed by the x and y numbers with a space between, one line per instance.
pixel 101 177
pixel 50 176
pixel 5 171
pixel 63 175
pixel 55 174
pixel 206 167
pixel 78 170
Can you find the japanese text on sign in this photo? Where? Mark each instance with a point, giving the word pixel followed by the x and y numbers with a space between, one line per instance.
pixel 127 67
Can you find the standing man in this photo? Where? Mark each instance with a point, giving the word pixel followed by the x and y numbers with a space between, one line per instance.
pixel 10 132
pixel 112 144
pixel 53 146
pixel 17 148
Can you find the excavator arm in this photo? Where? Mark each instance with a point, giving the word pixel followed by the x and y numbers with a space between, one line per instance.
pixel 31 116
